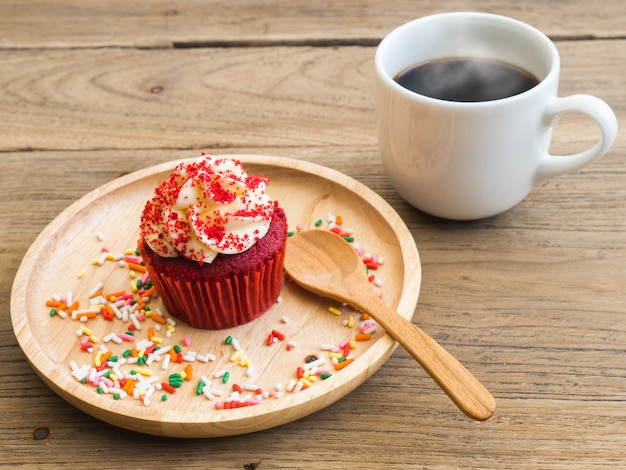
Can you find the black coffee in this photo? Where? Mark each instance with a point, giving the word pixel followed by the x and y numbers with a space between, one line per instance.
pixel 467 80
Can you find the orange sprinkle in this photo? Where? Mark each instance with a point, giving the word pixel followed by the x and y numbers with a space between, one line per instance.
pixel 149 292
pixel 363 337
pixel 341 365
pixel 365 316
pixel 188 372
pixel 137 267
pixel 114 295
pixel 96 294
pixel 172 354
pixel 86 315
pixel 158 318
pixel 129 386
pixel 134 352
pixel 106 356
pixel 339 220
pixel 73 307
pixel 52 303
pixel 150 332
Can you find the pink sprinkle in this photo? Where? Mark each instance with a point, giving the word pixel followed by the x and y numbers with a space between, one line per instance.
pixel 186 341
pixel 132 259
pixel 141 317
pixel 126 337
pixel 145 277
pixel 344 342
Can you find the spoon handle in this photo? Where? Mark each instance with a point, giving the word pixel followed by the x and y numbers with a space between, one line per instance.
pixel 459 384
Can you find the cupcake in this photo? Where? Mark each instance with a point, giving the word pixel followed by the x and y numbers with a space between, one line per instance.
pixel 214 243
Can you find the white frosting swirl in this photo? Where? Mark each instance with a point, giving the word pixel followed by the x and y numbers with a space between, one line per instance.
pixel 207 207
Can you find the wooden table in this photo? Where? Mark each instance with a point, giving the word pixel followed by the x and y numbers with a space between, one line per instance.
pixel 531 301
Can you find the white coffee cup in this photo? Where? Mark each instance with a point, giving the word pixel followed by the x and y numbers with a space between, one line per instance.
pixel 470 160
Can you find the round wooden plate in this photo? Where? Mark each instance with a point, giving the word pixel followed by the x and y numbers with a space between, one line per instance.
pixel 307 192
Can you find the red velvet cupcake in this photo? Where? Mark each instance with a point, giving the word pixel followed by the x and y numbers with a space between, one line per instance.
pixel 214 243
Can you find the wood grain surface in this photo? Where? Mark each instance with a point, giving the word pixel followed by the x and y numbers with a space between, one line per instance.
pixel 531 301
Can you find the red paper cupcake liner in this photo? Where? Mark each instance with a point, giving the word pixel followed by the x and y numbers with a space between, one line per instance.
pixel 222 303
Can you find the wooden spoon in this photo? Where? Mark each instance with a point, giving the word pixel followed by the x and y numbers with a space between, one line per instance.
pixel 324 263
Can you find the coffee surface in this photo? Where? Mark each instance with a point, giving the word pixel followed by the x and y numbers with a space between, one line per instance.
pixel 466 79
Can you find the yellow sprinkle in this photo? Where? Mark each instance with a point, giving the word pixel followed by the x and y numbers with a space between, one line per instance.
pixel 306 382
pixel 147 313
pixel 352 345
pixel 183 375
pixel 129 252
pixel 113 377
pixel 334 355
pixel 350 321
pixel 311 378
pixel 131 274
pixel 110 257
pixel 306 374
pixel 96 306
pixel 93 339
pixel 141 353
pixel 334 311
pixel 133 287
pixel 95 262
pixel 85 330
pixel 81 274
pixel 244 362
pixel 236 355
pixel 97 360
pixel 145 372
pixel 156 339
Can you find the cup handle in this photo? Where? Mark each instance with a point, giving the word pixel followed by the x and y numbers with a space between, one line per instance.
pixel 597 110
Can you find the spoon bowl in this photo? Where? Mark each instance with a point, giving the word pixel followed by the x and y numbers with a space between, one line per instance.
pixel 322 262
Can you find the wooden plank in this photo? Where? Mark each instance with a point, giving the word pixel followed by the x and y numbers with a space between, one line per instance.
pixel 197 98
pixel 159 23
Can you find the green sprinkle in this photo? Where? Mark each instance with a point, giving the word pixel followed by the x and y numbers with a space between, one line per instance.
pixel 349 238
pixel 199 387
pixel 113 359
pixel 137 252
pixel 53 312
pixel 142 360
pixel 318 222
pixel 107 373
pixel 228 340
pixel 178 349
pixel 175 380
pixel 127 353
pixel 290 233
pixel 130 332
pixel 99 390
pixel 163 397
pixel 225 377
pixel 138 283
pixel 341 359
pixel 325 375
pixel 116 396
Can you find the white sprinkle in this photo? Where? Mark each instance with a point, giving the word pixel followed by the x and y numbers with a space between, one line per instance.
pixel 235 344
pixel 316 363
pixel 219 373
pixel 250 387
pixel 189 358
pixel 291 385
pixel 161 351
pixel 134 321
pixel 166 361
pixel 299 386
pixel 103 258
pixel 144 343
pixel 100 236
pixel 285 319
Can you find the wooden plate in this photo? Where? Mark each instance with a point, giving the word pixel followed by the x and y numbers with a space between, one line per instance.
pixel 307 192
